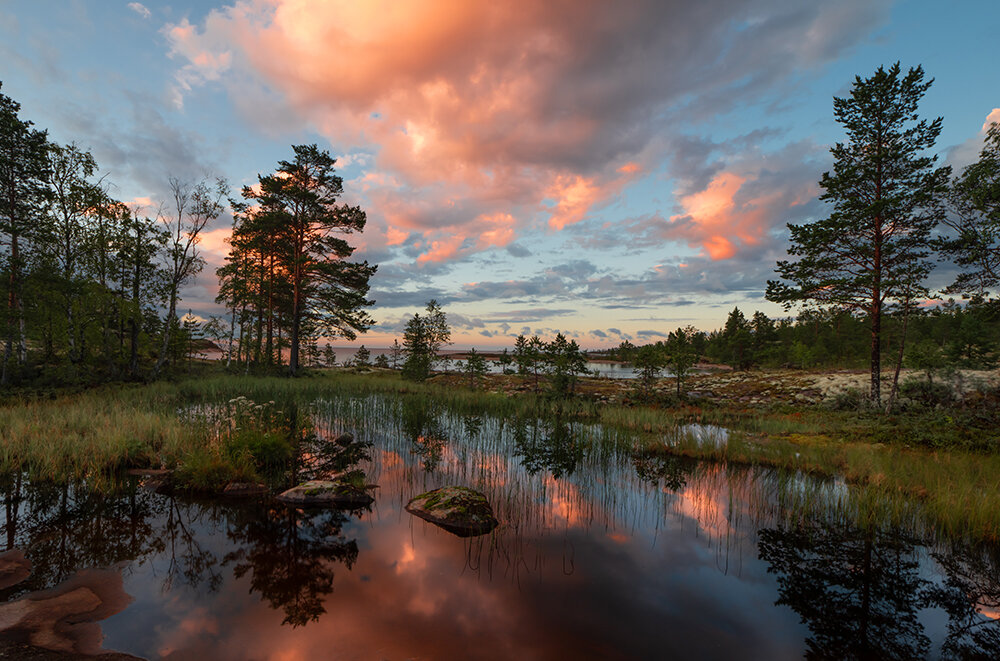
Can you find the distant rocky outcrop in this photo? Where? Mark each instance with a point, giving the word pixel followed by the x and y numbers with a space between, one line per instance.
pixel 458 510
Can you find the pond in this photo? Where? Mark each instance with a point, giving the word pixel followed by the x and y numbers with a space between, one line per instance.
pixel 599 554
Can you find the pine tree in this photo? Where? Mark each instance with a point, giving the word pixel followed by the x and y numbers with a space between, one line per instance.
pixel 325 288
pixel 886 196
pixel 975 201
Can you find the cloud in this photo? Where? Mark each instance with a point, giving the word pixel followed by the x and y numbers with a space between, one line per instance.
pixel 139 9
pixel 479 111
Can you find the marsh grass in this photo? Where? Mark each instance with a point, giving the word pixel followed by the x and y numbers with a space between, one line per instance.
pixel 95 434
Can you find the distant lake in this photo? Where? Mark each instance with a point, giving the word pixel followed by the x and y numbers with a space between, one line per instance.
pixel 597 368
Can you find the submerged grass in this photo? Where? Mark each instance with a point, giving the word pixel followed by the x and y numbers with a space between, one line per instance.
pixel 94 434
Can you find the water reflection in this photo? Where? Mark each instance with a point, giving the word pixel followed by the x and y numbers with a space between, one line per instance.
pixel 289 556
pixel 970 595
pixel 859 591
pixel 547 445
pixel 600 552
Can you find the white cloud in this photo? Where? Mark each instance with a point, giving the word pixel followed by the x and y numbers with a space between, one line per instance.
pixel 140 9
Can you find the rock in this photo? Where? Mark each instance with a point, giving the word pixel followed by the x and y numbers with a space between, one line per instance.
pixel 157 480
pixel 14 568
pixel 66 618
pixel 344 439
pixel 458 510
pixel 244 490
pixel 327 492
pixel 161 485
pixel 149 472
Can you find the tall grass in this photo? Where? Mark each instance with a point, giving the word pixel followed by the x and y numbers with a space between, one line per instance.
pixel 96 433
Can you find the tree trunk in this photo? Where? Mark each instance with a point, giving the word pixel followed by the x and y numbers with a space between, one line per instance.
pixel 876 319
pixel 899 359
pixel 171 312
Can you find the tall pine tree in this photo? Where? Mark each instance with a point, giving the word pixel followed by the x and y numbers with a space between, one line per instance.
pixel 886 194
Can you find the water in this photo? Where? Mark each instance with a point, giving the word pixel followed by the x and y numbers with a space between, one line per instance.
pixel 599 555
pixel 609 370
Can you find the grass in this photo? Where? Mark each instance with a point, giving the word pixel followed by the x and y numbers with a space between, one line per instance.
pixel 94 434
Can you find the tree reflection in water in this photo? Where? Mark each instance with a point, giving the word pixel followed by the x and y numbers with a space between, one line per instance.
pixel 858 590
pixel 673 471
pixel 290 555
pixel 422 427
pixel 549 444
pixel 970 595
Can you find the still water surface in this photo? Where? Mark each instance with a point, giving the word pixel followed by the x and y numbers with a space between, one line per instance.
pixel 599 555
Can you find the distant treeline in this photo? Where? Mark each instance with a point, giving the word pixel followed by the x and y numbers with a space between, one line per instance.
pixel 946 335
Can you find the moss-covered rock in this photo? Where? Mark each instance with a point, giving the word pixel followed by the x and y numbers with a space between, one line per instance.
pixel 458 510
pixel 331 493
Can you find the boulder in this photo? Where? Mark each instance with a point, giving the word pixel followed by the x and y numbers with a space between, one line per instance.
pixel 244 490
pixel 332 493
pixel 344 439
pixel 458 510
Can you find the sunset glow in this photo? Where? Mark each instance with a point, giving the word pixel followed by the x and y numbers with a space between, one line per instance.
pixel 552 155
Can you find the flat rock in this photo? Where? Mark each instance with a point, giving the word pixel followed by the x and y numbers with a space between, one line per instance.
pixel 149 472
pixel 14 568
pixel 326 493
pixel 458 510
pixel 244 490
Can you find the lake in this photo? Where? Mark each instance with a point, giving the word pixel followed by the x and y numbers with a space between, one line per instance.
pixel 600 554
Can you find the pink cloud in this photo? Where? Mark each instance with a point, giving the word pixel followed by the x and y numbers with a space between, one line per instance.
pixel 394 237
pixel 456 95
pixel 992 118
pixel 439 251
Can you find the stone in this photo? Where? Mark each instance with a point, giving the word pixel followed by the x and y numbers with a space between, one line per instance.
pixel 244 490
pixel 14 568
pixel 149 472
pixel 331 493
pixel 344 439
pixel 459 510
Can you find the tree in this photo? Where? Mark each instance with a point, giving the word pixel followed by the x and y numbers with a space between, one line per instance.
pixel 975 203
pixel 396 353
pixel 504 362
pixel 475 368
pixel 423 338
pixel 737 341
pixel 564 362
pixel 73 197
pixel 648 364
pixel 194 207
pixel 362 356
pixel 528 356
pixel 682 354
pixel 23 171
pixel 326 289
pixel 886 197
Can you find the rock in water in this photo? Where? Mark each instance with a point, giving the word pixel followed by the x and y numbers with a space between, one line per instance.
pixel 14 568
pixel 244 490
pixel 344 439
pixel 458 510
pixel 326 492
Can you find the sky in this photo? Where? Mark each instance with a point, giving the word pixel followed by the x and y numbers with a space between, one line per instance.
pixel 607 170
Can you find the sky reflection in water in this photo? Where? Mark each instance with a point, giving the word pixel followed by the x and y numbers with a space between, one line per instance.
pixel 598 555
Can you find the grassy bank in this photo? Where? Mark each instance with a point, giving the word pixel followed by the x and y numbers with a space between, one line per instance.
pixel 97 433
